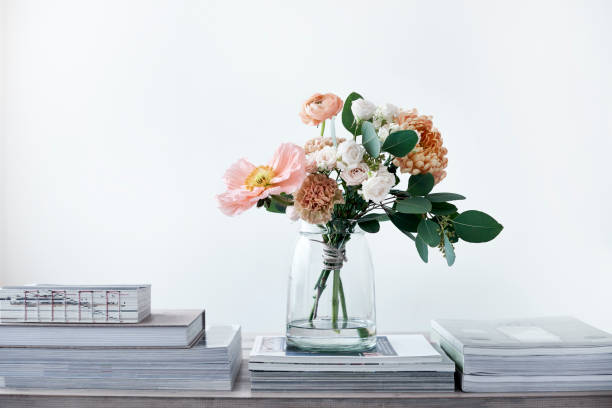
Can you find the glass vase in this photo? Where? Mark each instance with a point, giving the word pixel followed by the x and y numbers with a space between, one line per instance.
pixel 331 300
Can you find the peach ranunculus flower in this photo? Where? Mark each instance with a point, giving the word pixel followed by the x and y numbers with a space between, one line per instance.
pixel 315 199
pixel 320 107
pixel 247 184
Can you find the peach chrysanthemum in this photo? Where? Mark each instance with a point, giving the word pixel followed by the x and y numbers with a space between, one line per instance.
pixel 429 156
pixel 318 143
pixel 315 199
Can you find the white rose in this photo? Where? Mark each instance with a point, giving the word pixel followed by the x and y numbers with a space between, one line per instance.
pixel 387 111
pixel 384 174
pixel 326 158
pixel 383 132
pixel 355 174
pixel 362 109
pixel 377 122
pixel 292 213
pixel 351 152
pixel 377 187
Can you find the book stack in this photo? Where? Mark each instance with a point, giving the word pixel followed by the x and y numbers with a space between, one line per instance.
pixel 75 304
pixel 523 355
pixel 168 349
pixel 398 363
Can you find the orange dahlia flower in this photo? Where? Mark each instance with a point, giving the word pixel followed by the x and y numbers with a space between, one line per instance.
pixel 429 156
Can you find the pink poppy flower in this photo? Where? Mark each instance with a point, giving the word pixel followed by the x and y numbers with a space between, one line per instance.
pixel 247 184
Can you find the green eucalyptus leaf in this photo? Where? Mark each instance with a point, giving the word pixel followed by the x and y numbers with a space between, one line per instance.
pixel 441 197
pixel 476 226
pixel 371 226
pixel 428 231
pixel 422 249
pixel 370 139
pixel 449 252
pixel 443 208
pixel 404 222
pixel 275 207
pixel 400 143
pixel 374 216
pixel 420 184
pixel 348 119
pixel 413 205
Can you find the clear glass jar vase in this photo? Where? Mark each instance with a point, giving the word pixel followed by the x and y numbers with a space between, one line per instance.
pixel 331 300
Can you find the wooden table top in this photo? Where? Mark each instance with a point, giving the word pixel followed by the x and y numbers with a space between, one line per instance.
pixel 242 396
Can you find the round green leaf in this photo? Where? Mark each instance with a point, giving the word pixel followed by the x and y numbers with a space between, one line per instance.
pixel 400 143
pixel 413 205
pixel 428 231
pixel 449 252
pixel 443 208
pixel 476 226
pixel 420 184
pixel 422 249
pixel 370 139
pixel 406 223
pixel 441 197
pixel 371 226
pixel 348 119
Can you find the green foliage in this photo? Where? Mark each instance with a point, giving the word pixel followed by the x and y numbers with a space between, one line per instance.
pixel 428 231
pixel 449 252
pixel 403 222
pixel 476 226
pixel 413 205
pixel 420 184
pixel 441 197
pixel 370 139
pixel 422 249
pixel 400 143
pixel 443 208
pixel 371 226
pixel 374 216
pixel 348 120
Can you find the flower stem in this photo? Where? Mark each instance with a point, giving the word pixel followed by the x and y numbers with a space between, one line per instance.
pixel 322 128
pixel 335 294
pixel 342 300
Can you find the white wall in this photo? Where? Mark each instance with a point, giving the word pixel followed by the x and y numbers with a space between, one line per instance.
pixel 121 118
pixel 2 121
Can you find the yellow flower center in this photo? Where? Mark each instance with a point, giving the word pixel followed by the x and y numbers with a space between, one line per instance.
pixel 260 177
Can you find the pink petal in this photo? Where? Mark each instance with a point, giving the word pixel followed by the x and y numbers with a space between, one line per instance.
pixel 238 172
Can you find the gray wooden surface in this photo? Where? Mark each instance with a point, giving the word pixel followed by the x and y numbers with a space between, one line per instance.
pixel 242 396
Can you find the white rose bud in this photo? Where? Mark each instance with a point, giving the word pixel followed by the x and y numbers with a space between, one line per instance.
pixel 362 109
pixel 355 174
pixel 351 152
pixel 326 158
pixel 387 111
pixel 376 188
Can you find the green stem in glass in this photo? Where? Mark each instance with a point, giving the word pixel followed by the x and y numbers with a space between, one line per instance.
pixel 335 298
pixel 322 128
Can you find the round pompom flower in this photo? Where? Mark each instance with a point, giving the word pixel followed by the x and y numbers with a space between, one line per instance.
pixel 247 184
pixel 318 143
pixel 428 156
pixel 315 199
pixel 320 107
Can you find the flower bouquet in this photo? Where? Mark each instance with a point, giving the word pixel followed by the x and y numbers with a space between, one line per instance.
pixel 336 184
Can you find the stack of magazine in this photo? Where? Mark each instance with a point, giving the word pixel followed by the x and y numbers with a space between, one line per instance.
pixel 168 349
pixel 522 355
pixel 75 304
pixel 398 363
